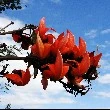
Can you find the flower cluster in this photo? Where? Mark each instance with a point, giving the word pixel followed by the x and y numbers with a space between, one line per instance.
pixel 56 58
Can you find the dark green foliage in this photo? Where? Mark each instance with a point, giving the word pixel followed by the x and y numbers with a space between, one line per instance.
pixel 9 4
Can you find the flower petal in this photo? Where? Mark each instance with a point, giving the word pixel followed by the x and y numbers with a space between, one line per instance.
pixel 71 40
pixel 65 70
pixel 47 74
pixel 16 38
pixel 42 27
pixel 76 51
pixel 50 38
pixel 52 69
pixel 96 59
pixel 46 50
pixel 14 78
pixel 82 67
pixel 39 46
pixel 58 65
pixel 62 42
pixel 82 46
pixel 26 76
pixel 85 64
pixel 44 82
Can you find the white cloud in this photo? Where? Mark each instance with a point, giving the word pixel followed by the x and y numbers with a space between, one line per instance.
pixel 105 65
pixel 103 94
pixel 91 34
pixel 106 31
pixel 4 20
pixel 104 79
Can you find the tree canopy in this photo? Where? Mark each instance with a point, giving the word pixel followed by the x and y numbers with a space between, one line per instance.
pixel 10 4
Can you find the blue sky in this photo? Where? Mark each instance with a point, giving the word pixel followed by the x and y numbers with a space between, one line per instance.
pixel 89 19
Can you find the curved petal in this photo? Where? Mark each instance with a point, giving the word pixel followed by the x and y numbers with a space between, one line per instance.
pixel 46 50
pixel 14 78
pixel 39 46
pixel 42 27
pixel 82 67
pixel 82 46
pixel 76 71
pixel 96 59
pixel 26 76
pixel 76 51
pixel 64 50
pixel 47 74
pixel 54 47
pixel 71 40
pixel 58 65
pixel 62 42
pixel 16 38
pixel 85 64
pixel 44 82
pixel 50 38
pixel 61 36
pixel 65 70
pixel 52 69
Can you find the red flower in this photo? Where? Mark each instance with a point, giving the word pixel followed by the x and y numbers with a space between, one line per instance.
pixel 59 44
pixel 19 77
pixel 40 49
pixel 79 69
pixel 81 49
pixel 42 29
pixel 56 71
pixel 16 37
pixel 26 42
pixel 69 44
pixel 94 59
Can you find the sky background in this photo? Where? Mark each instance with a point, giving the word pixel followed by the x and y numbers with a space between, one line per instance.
pixel 89 19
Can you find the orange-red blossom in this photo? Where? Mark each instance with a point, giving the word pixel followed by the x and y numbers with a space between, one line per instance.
pixel 72 68
pixel 19 77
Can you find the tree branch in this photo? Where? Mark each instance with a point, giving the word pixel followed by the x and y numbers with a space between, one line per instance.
pixel 12 58
pixel 30 26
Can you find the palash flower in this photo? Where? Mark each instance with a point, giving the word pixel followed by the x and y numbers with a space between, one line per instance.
pixel 69 43
pixel 42 29
pixel 19 77
pixel 59 44
pixel 26 42
pixel 55 72
pixel 81 49
pixel 79 69
pixel 16 37
pixel 22 38
pixel 40 49
pixel 94 59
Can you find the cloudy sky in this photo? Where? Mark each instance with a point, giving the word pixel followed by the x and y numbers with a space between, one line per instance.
pixel 89 19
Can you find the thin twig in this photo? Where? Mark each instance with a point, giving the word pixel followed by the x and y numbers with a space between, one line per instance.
pixel 7 26
pixel 12 58
pixel 24 28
